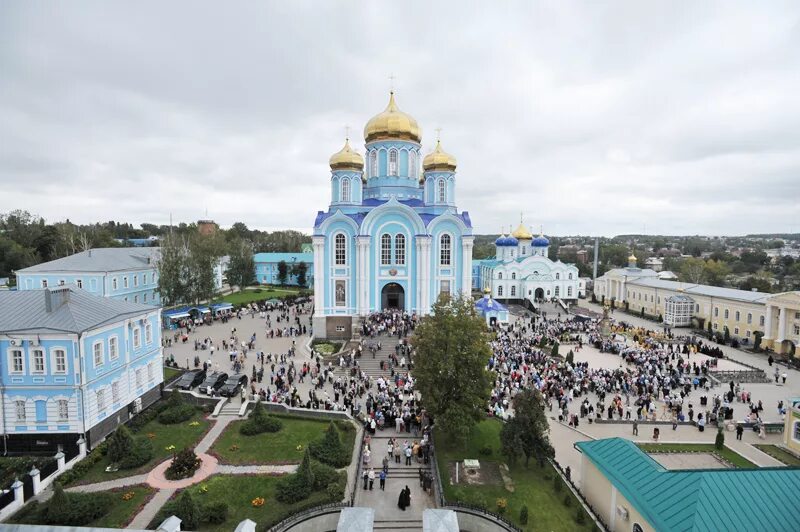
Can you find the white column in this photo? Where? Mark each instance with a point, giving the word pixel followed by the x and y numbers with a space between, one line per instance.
pixel 35 477
pixel 425 273
pixel 362 274
pixel 417 280
pixel 768 323
pixel 781 325
pixel 466 264
pixel 320 274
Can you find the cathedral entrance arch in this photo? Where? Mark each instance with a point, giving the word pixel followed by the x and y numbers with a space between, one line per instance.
pixel 538 295
pixel 393 297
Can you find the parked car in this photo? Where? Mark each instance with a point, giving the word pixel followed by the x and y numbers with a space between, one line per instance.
pixel 214 381
pixel 233 385
pixel 190 379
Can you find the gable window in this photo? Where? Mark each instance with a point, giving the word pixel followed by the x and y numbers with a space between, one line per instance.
pixel 63 410
pixel 373 163
pixel 340 249
pixel 393 162
pixel 97 350
pixel 137 338
pixel 17 361
pixel 19 406
pixel 38 361
pixel 445 251
pixel 400 249
pixel 345 190
pixel 386 249
pixel 442 191
pixel 60 357
pixel 148 334
pixel 113 351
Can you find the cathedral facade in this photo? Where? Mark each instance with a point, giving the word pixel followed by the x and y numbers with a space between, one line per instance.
pixel 521 270
pixel 392 237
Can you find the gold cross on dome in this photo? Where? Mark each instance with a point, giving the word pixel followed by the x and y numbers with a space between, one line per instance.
pixel 347 132
pixel 391 82
pixel 438 134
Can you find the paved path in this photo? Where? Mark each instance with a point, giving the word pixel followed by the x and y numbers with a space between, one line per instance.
pixel 151 509
pixel 211 436
pixel 110 484
pixel 257 469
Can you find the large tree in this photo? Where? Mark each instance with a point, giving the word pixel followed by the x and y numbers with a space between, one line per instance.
pixel 452 349
pixel 242 267
pixel 173 269
pixel 299 270
pixel 283 272
pixel 526 433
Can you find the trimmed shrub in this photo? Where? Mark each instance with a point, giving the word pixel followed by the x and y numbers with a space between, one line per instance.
pixel 215 512
pixel 140 454
pixel 719 441
pixel 260 421
pixel 335 490
pixel 485 451
pixel 76 509
pixel 186 509
pixel 291 489
pixel 183 465
pixel 523 512
pixel 329 449
pixel 176 414
pixel 580 516
pixel 120 444
pixel 83 467
pixel 323 474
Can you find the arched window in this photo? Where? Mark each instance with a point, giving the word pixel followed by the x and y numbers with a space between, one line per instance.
pixel 570 276
pixel 558 276
pixel 442 191
pixel 499 275
pixel 400 249
pixel 340 249
pixel 557 291
pixel 373 163
pixel 412 164
pixel 386 249
pixel 499 290
pixel 445 251
pixel 513 291
pixel 513 275
pixel 345 190
pixel 392 162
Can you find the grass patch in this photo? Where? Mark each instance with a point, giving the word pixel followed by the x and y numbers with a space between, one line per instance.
pixel 119 514
pixel 533 486
pixel 275 447
pixel 325 347
pixel 171 373
pixel 779 453
pixel 238 492
pixel 250 295
pixel 180 435
pixel 738 461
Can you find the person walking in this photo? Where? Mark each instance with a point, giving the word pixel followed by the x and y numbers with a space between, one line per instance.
pixel 739 431
pixel 408 455
pixel 382 478
pixel 371 477
pixel 365 476
pixel 635 427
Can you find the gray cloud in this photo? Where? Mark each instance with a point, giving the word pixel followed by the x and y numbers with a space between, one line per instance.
pixel 671 117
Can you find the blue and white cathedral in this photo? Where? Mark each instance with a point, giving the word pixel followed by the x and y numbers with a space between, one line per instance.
pixel 392 237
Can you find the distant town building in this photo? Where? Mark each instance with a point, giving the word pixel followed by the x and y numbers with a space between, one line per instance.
pixel 73 364
pixel 654 263
pixel 128 274
pixel 206 227
pixel 138 242
pixel 267 267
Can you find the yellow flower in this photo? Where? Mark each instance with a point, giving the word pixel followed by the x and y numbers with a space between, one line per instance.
pixel 194 424
pixel 169 448
pixel 299 447
pixel 204 489
pixel 128 496
pixel 258 502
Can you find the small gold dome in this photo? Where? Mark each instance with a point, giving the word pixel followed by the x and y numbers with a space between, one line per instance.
pixel 439 159
pixel 347 159
pixel 522 233
pixel 632 258
pixel 392 123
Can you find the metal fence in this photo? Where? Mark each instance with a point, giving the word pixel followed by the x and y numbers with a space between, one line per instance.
pixel 6 498
pixel 309 513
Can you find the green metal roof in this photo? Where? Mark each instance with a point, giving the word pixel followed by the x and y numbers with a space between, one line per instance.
pixel 700 499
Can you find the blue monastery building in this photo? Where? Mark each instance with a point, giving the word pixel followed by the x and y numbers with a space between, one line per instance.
pixel 267 267
pixel 391 237
pixel 128 274
pixel 73 365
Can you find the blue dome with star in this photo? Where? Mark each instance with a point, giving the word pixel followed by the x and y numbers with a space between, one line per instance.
pixel 540 242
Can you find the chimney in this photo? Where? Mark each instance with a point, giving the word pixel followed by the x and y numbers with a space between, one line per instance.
pixel 54 298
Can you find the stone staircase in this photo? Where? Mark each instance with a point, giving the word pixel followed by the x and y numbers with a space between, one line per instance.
pixel 231 407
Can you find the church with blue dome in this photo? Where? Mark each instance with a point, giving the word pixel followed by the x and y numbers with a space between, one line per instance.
pixel 392 236
pixel 522 271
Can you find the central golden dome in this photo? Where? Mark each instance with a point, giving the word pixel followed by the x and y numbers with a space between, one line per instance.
pixel 346 159
pixel 392 123
pixel 521 233
pixel 439 159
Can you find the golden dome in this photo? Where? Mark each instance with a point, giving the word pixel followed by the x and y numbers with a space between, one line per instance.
pixel 439 159
pixel 521 233
pixel 392 123
pixel 632 258
pixel 347 159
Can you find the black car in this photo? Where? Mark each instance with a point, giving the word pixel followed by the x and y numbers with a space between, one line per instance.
pixel 190 379
pixel 233 385
pixel 214 381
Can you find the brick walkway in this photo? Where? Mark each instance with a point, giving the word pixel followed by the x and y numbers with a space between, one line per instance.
pixel 151 509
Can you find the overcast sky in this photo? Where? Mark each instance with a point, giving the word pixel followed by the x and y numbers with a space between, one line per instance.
pixel 597 118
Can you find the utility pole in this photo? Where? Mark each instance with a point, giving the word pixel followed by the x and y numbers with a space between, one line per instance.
pixel 596 257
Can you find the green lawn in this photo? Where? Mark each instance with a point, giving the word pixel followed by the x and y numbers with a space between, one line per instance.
pixel 546 507
pixel 276 447
pixel 238 491
pixel 119 514
pixel 171 373
pixel 738 461
pixel 780 454
pixel 179 435
pixel 249 295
